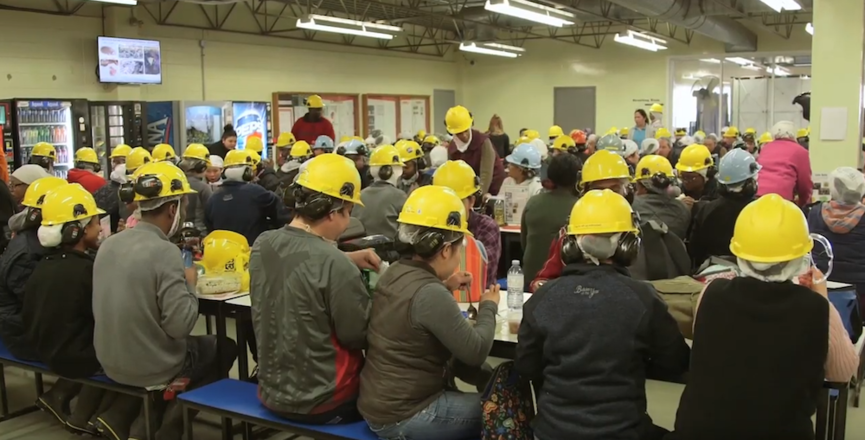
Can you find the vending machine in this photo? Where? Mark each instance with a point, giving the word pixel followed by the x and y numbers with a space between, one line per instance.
pixel 252 119
pixel 62 123
pixel 6 134
pixel 181 123
pixel 116 123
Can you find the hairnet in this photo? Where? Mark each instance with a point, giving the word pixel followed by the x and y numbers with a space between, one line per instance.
pixel 712 136
pixel 216 161
pixel 438 156
pixel 396 173
pixel 52 236
pixel 775 272
pixel 592 138
pixel 410 234
pixel 541 147
pixel 699 138
pixel 846 185
pixel 235 173
pixel 784 130
pixel 28 174
pixel 687 141
pixel 151 204
pixel 629 148
pixel 649 146
pixel 598 247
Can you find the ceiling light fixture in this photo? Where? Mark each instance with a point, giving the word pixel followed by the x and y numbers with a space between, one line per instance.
pixel 120 2
pixel 527 10
pixel 809 28
pixel 313 26
pixel 778 71
pixel 504 47
pixel 711 60
pixel 740 61
pixel 474 48
pixel 641 40
pixel 365 24
pixel 778 5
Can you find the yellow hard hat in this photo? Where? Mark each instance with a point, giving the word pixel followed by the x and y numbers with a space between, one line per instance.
pixel 771 230
pixel 431 140
pixel 300 149
pixel 731 132
pixel 35 194
pixel 163 152
pixel 197 151
pixel 409 150
pixel 357 138
pixel 663 133
pixel 556 131
pixel 256 158
pixel 612 130
pixel 160 179
pixel 332 175
pixel 68 203
pixel 523 140
pixel 136 158
pixel 765 138
pixel 656 108
pixel 652 165
pixel 254 143
pixel 237 158
pixel 344 139
pixel 385 155
pixel 802 132
pixel 624 131
pixel 563 143
pixel 458 119
pixel 681 132
pixel 695 158
pixel 700 133
pixel 121 150
pixel 604 165
pixel 532 134
pixel 601 212
pixel 434 206
pixel 221 251
pixel 458 176
pixel 421 133
pixel 44 149
pixel 751 131
pixel 314 101
pixel 87 155
pixel 285 139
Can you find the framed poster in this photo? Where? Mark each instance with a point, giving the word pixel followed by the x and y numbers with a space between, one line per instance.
pixel 396 114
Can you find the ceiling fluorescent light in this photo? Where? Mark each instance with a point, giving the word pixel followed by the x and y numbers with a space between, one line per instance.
pixel 504 47
pixel 474 48
pixel 740 61
pixel 313 26
pixel 530 11
pixel 120 2
pixel 778 5
pixel 809 28
pixel 778 71
pixel 711 60
pixel 752 67
pixel 642 41
pixel 365 24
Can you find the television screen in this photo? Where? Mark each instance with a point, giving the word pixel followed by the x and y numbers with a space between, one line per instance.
pixel 128 61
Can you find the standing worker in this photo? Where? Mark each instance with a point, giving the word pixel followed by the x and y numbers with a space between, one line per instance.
pixel 164 153
pixel 283 146
pixel 44 155
pixel 227 143
pixel 299 153
pixel 87 170
pixel 195 162
pixel 475 149
pixel 313 124
pixel 786 166
pixel 412 158
pixel 264 173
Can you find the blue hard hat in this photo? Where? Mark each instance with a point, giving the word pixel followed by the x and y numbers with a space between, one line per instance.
pixel 737 166
pixel 526 156
pixel 355 146
pixel 323 142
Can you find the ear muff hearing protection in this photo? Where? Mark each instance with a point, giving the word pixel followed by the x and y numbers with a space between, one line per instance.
pixel 626 251
pixel 340 151
pixel 385 172
pixel 433 240
pixel 659 180
pixel 126 192
pixel 42 161
pixel 94 166
pixel 199 166
pixel 149 186
pixel 72 232
pixel 316 205
pixel 248 173
pixel 34 215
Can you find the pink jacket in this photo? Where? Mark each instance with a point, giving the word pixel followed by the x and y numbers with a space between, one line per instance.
pixel 786 171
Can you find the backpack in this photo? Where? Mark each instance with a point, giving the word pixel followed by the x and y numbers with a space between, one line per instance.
pixel 662 256
pixel 507 405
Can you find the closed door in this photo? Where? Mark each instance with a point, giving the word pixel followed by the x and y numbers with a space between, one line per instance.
pixel 574 108
pixel 442 101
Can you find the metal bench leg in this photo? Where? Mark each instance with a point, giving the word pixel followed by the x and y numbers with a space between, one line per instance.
pixel 40 386
pixel 208 325
pixel 187 422
pixel 822 413
pixel 4 398
pixel 840 431
pixel 227 433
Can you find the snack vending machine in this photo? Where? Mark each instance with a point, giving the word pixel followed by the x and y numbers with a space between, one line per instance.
pixel 181 123
pixel 62 123
pixel 116 123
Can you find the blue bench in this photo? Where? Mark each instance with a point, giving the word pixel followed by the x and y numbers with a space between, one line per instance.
pixel 233 399
pixel 39 369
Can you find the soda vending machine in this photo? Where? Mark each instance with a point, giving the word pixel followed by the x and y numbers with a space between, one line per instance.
pixel 252 119
pixel 181 123
pixel 62 123
pixel 116 123
pixel 6 135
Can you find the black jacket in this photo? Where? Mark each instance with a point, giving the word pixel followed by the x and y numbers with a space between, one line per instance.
pixel 269 180
pixel 218 149
pixel 365 177
pixel 8 208
pixel 712 227
pixel 16 265
pixel 58 313
pixel 247 209
pixel 592 336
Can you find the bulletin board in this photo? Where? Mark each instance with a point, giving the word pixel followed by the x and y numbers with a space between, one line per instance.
pixel 395 114
pixel 340 108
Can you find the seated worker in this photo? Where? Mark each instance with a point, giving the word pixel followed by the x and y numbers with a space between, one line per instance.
pixel 213 175
pixel 792 337
pixel 697 172
pixel 142 335
pixel 649 146
pixel 657 190
pixel 44 155
pixel 164 153
pixel 383 198
pixel 561 145
pixel 713 222
pixel 357 152
pixel 196 160
pixel 460 177
pixel 764 139
pixel 840 221
pixel 603 170
pixel 590 377
pixel 323 144
pixel 299 153
pixel 416 328
pixel 749 138
pixel 87 171
pixel 547 213
pixel 106 196
pixel 429 143
pixel 242 207
pixel 554 132
pixel 631 152
pixel 436 157
pixel 665 145
pixel 524 163
pixel 413 163
pixel 310 305
pixel 264 173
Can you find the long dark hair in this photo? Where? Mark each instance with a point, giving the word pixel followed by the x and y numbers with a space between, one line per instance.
pixel 228 131
pixel 643 114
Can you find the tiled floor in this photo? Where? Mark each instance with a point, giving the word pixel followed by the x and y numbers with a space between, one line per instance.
pixel 663 401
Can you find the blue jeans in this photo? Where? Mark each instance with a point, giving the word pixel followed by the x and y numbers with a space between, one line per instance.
pixel 453 416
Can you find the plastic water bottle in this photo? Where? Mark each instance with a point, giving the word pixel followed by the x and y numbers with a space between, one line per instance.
pixel 515 287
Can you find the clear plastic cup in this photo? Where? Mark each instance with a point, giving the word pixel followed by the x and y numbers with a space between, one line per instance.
pixel 515 317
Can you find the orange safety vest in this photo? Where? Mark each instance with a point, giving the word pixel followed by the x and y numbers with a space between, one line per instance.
pixel 473 259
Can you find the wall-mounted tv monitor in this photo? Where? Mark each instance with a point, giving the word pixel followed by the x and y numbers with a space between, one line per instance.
pixel 129 61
